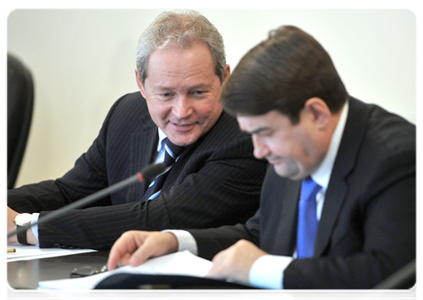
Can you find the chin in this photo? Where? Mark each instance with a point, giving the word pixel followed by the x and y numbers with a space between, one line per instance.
pixel 290 173
pixel 184 140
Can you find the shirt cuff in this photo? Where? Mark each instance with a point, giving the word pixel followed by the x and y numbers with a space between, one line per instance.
pixel 34 219
pixel 185 240
pixel 267 271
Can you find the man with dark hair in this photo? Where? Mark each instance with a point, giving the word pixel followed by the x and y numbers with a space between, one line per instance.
pixel 304 70
pixel 213 178
pixel 337 208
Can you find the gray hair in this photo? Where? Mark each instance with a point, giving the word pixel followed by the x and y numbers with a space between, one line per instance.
pixel 183 27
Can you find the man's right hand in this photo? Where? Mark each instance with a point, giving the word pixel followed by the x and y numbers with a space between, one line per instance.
pixel 135 247
pixel 11 215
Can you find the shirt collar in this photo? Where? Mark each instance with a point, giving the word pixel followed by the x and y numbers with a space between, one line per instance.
pixel 162 136
pixel 322 174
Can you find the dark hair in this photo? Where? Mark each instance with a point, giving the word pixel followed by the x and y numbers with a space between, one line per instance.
pixel 281 74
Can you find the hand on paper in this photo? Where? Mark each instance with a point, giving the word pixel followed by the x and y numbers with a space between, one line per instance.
pixel 135 247
pixel 235 262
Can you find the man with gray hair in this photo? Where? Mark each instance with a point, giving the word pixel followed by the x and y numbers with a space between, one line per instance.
pixel 213 178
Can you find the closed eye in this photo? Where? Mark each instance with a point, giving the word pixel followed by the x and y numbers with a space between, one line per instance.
pixel 261 132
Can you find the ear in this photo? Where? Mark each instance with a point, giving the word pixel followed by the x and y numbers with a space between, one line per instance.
pixel 318 112
pixel 227 73
pixel 140 83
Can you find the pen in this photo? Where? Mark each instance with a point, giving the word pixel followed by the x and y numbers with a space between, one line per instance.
pixel 155 286
pixel 11 250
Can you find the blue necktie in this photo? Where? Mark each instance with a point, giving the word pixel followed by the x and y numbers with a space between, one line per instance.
pixel 172 152
pixel 307 218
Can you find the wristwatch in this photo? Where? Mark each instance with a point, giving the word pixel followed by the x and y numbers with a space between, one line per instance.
pixel 22 220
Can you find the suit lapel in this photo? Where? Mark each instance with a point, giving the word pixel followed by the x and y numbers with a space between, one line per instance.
pixel 193 152
pixel 337 190
pixel 278 217
pixel 335 195
pixel 288 219
pixel 143 146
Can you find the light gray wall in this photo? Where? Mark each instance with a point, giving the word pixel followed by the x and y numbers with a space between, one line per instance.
pixel 83 60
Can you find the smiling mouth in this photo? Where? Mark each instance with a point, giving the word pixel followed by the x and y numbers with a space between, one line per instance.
pixel 180 122
pixel 182 127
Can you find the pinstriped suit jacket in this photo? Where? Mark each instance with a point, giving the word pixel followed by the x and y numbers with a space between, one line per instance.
pixel 367 230
pixel 216 181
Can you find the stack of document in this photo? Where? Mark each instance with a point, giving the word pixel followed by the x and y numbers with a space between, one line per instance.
pixel 168 274
pixel 180 263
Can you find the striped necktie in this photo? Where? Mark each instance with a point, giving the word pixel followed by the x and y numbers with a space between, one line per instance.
pixel 172 152
pixel 307 218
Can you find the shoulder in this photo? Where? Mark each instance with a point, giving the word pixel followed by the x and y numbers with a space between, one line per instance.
pixel 388 136
pixel 381 126
pixel 373 132
pixel 226 137
pixel 379 148
pixel 131 111
pixel 132 102
pixel 224 140
pixel 226 131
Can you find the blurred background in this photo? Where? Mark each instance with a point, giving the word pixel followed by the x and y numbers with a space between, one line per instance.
pixel 83 60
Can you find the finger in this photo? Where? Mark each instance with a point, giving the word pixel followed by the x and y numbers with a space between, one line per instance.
pixel 217 272
pixel 151 247
pixel 124 260
pixel 122 249
pixel 217 269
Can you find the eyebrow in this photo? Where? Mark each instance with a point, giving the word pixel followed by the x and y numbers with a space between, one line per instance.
pixel 258 130
pixel 161 88
pixel 202 86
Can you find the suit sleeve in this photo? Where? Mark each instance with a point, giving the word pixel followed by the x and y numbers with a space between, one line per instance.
pixel 224 191
pixel 213 240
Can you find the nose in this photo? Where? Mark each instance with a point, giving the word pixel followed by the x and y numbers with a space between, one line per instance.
pixel 260 147
pixel 182 107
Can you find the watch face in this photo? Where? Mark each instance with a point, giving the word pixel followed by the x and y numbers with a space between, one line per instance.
pixel 23 219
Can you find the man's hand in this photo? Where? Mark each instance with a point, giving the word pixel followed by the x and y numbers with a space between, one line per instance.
pixel 11 215
pixel 135 247
pixel 30 237
pixel 235 262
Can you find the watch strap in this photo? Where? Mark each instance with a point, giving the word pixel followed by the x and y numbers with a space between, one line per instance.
pixel 21 236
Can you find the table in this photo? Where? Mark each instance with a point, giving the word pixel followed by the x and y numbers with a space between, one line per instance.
pixel 27 274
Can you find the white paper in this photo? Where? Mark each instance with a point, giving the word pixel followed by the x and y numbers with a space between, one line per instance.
pixel 24 252
pixel 179 263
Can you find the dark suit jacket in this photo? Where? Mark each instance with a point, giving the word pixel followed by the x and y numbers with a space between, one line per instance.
pixel 215 182
pixel 367 228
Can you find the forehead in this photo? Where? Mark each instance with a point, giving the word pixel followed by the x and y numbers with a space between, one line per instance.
pixel 173 55
pixel 174 65
pixel 268 121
